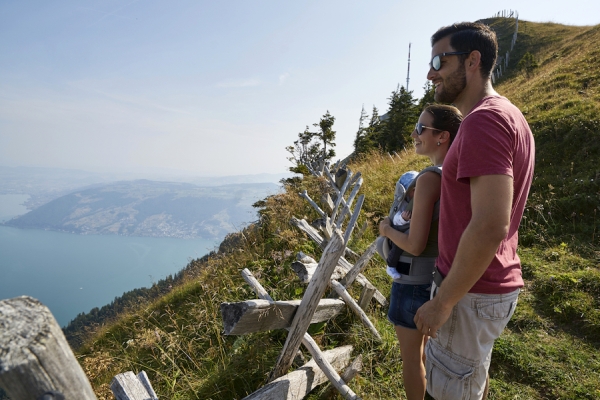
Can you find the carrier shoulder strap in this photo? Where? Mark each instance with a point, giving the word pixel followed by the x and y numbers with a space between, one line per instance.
pixel 436 211
pixel 421 268
pixel 438 170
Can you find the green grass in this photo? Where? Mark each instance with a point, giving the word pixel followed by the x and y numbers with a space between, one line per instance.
pixel 550 349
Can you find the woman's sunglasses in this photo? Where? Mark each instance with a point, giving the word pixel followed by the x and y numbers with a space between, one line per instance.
pixel 419 128
pixel 436 61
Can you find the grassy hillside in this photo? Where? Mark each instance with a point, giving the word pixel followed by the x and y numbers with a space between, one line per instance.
pixel 561 100
pixel 550 349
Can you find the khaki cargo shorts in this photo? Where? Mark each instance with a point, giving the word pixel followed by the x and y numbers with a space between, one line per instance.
pixel 459 358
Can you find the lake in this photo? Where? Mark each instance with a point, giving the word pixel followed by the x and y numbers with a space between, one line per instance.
pixel 75 273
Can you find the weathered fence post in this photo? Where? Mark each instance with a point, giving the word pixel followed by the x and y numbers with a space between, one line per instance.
pixel 313 294
pixel 365 296
pixel 128 386
pixel 35 357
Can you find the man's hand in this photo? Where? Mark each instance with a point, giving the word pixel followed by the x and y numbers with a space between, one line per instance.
pixel 431 316
pixel 383 224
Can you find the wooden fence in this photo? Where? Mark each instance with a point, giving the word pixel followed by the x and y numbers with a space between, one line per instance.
pixel 331 271
pixel 503 59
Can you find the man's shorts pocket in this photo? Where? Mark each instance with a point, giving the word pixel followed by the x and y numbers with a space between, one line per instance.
pixel 449 375
pixel 495 310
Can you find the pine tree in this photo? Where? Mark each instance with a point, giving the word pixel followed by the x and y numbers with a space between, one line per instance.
pixel 366 135
pixel 428 96
pixel 402 115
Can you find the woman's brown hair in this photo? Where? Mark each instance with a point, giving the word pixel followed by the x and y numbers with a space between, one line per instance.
pixel 445 118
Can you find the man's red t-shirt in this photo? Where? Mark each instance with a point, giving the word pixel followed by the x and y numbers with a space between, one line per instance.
pixel 494 139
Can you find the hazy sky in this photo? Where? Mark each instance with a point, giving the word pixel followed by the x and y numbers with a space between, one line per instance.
pixel 211 87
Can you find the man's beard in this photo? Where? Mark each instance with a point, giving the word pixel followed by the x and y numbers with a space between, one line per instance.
pixel 452 86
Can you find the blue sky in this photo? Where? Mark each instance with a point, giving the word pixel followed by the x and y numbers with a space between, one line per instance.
pixel 211 87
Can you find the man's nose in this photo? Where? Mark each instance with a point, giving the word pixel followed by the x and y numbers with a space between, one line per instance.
pixel 431 73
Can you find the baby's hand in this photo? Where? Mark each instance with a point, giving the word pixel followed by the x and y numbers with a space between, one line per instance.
pixel 407 215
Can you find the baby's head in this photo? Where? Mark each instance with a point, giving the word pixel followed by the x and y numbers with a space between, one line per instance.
pixel 410 193
pixel 407 178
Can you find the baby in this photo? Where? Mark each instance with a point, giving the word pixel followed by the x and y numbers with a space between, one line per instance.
pixel 404 212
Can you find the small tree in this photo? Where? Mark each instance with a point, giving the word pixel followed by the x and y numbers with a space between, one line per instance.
pixel 307 150
pixel 326 135
pixel 527 64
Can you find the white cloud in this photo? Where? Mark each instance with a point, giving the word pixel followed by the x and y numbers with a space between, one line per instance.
pixel 239 83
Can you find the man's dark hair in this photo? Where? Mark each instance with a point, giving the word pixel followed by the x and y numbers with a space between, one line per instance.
pixel 470 36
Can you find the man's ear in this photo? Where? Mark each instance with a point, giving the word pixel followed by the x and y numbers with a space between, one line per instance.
pixel 473 60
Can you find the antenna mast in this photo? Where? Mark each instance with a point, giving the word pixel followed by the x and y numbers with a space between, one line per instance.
pixel 408 73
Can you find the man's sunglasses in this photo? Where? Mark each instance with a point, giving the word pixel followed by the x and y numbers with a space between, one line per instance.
pixel 419 128
pixel 436 61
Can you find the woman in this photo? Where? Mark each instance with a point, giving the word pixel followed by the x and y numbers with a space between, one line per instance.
pixel 432 136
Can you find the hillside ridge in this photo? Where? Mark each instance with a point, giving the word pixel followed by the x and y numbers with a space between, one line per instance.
pixel 149 208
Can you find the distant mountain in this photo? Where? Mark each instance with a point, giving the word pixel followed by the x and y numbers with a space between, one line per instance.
pixel 149 208
pixel 46 184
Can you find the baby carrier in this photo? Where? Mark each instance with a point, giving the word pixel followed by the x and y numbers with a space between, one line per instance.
pixel 421 267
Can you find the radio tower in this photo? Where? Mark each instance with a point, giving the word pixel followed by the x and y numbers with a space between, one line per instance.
pixel 408 73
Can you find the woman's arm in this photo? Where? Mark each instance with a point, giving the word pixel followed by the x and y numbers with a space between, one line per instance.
pixel 427 193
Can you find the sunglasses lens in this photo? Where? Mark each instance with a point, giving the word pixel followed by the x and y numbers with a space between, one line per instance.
pixel 419 129
pixel 436 63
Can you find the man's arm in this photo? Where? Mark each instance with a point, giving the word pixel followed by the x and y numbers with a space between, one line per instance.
pixel 491 203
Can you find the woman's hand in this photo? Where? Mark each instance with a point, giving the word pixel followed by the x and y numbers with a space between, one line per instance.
pixel 383 225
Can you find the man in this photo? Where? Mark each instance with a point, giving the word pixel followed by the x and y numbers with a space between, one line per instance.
pixel 485 184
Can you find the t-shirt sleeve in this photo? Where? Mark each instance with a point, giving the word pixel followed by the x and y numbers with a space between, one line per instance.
pixel 485 148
